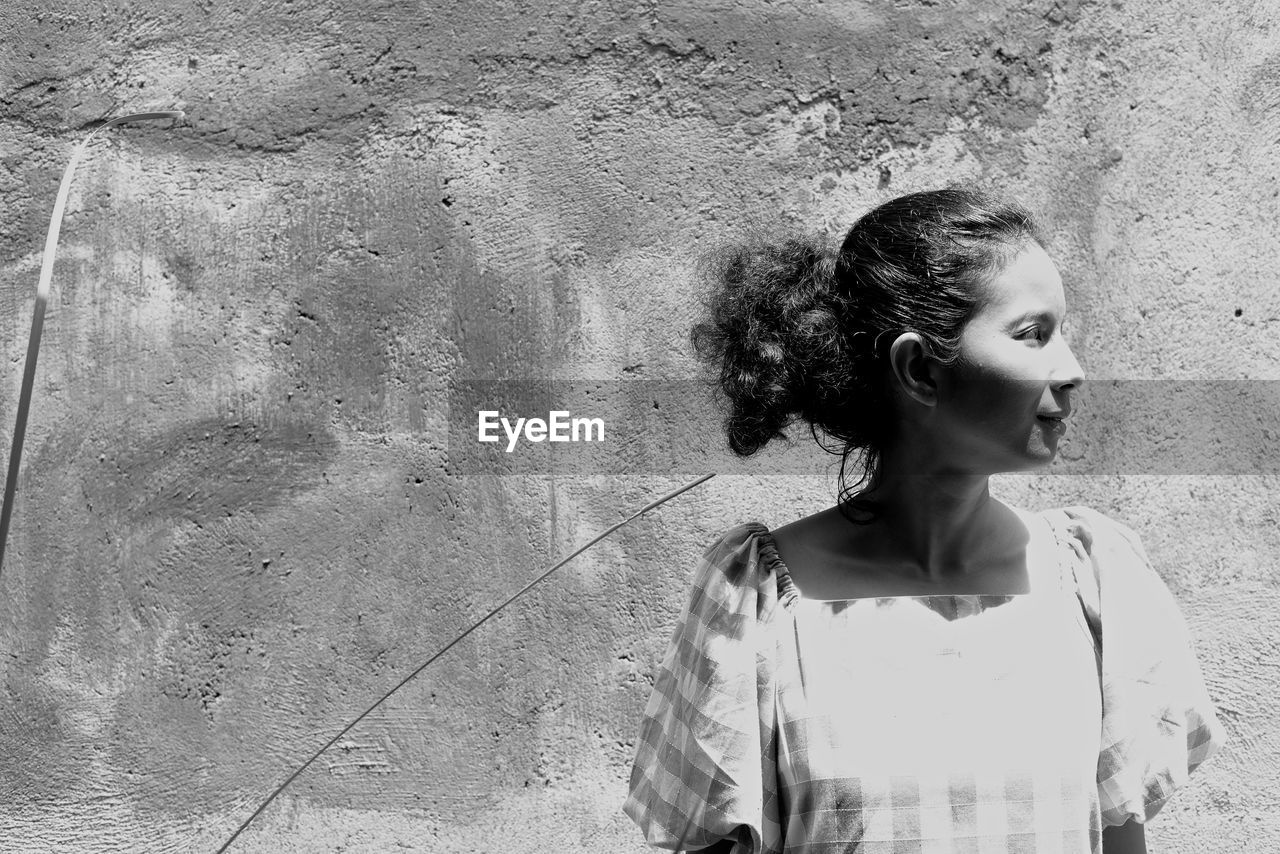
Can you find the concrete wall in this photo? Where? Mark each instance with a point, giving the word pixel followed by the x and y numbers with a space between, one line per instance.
pixel 238 523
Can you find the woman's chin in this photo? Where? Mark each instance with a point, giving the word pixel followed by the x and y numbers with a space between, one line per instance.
pixel 1038 455
pixel 1044 455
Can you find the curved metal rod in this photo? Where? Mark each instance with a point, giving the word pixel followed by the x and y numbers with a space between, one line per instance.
pixel 405 681
pixel 37 315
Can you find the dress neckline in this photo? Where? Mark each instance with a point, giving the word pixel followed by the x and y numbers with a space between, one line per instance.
pixel 1039 545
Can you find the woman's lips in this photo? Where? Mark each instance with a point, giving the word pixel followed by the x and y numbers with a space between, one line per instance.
pixel 1057 425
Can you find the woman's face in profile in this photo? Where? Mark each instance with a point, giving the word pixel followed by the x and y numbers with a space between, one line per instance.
pixel 1001 405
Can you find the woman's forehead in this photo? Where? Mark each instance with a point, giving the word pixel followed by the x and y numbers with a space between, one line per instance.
pixel 1028 283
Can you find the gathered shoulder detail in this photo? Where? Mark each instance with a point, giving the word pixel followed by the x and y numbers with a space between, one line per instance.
pixel 771 562
pixel 1074 535
pixel 738 570
pixel 1072 529
pixel 1078 528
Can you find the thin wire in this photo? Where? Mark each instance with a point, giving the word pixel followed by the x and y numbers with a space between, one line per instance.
pixel 305 765
pixel 37 314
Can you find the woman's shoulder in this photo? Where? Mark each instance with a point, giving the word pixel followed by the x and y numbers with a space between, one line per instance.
pixel 731 552
pixel 739 570
pixel 817 550
pixel 1115 576
pixel 732 540
pixel 737 555
pixel 1096 534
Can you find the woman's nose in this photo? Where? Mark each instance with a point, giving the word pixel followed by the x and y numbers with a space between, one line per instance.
pixel 1067 374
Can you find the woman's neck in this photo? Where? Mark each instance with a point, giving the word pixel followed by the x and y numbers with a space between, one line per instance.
pixel 938 523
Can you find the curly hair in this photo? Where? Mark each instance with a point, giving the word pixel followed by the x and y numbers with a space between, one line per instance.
pixel 800 331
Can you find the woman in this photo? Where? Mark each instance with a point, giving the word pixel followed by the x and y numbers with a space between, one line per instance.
pixel 921 668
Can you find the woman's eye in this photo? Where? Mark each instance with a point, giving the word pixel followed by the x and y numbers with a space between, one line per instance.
pixel 1032 334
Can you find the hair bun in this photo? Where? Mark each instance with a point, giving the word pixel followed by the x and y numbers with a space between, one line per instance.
pixel 773 319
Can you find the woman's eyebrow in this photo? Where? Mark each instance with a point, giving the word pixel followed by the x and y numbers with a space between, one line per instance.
pixel 1041 315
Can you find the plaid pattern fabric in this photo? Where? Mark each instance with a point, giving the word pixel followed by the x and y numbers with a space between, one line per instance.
pixel 1159 724
pixel 705 767
pixel 919 724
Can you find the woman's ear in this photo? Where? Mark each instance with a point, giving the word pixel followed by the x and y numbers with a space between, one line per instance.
pixel 912 368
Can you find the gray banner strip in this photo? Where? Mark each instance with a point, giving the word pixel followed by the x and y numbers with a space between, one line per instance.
pixel 1159 427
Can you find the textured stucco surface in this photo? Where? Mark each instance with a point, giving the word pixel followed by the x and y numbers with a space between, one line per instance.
pixel 237 524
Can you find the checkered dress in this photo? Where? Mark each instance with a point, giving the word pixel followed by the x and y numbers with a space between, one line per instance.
pixel 948 723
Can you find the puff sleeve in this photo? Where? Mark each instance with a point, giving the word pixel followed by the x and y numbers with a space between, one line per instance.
pixel 705 768
pixel 1158 723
